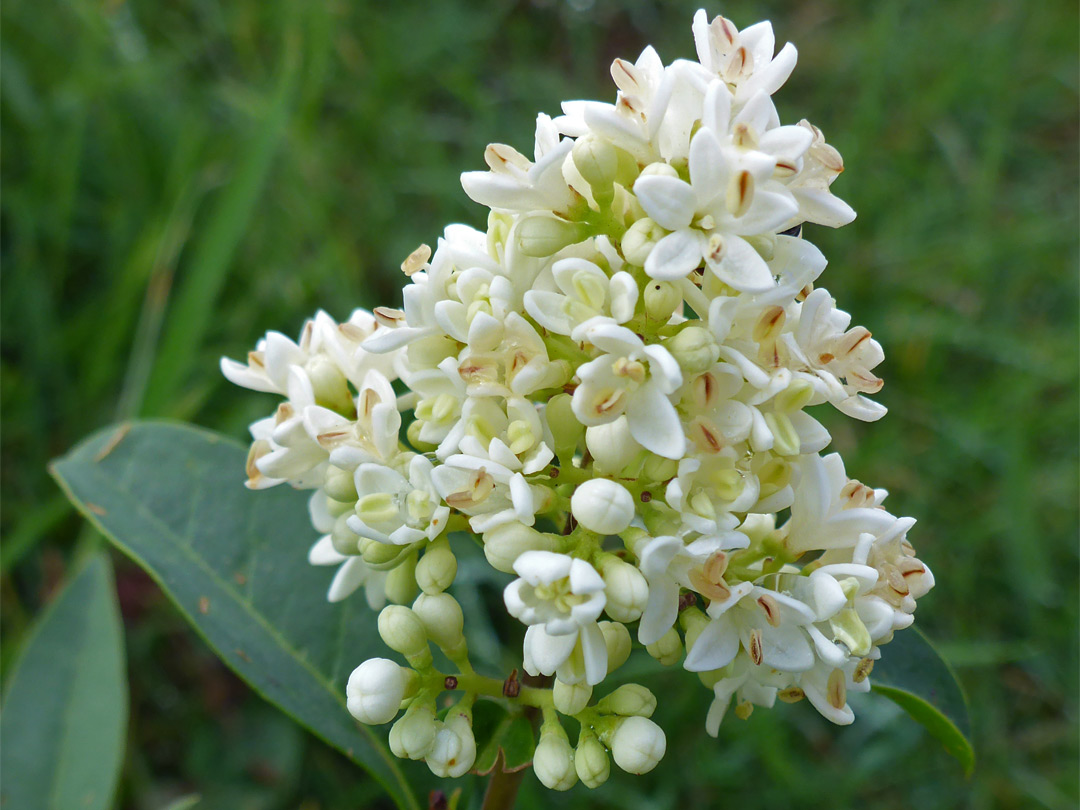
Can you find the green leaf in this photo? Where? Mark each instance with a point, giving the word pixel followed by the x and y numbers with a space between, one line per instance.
pixel 65 711
pixel 235 563
pixel 913 675
pixel 497 730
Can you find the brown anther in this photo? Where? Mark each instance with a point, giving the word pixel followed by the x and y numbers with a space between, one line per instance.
pixel 836 689
pixel 909 566
pixel 771 609
pixel 646 496
pixel 626 77
pixel 368 399
pixel 714 591
pixel 256 360
pixel 757 651
pixel 609 403
pixel 258 449
pixel 553 472
pixel 740 193
pixel 896 581
pixel 715 567
pixel 388 316
pixel 804 293
pixel 792 694
pixel 450 683
pixel 706 436
pixel 853 339
pixel 784 168
pixel 416 260
pixel 742 135
pixel 502 158
pixel 631 369
pixel 863 670
pixel 743 709
pixel 825 358
pixel 907 548
pixel 769 324
pixel 512 686
pixel 306 334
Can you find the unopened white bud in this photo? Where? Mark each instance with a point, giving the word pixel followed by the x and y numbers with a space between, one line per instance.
pixel 602 506
pixel 437 568
pixel 542 235
pixel 662 298
pixel 638 744
pixel 505 543
pixel 375 691
pixel 402 631
pixel 612 446
pixel 694 348
pixel 553 759
pixel 626 589
pixel 413 735
pixel 591 762
pixel 668 650
pixel 618 643
pixel 629 700
pixel 640 239
pixel 571 698
pixel 453 751
pixel 442 619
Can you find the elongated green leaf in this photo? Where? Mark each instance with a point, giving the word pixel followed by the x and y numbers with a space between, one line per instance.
pixel 497 730
pixel 234 562
pixel 65 711
pixel 915 676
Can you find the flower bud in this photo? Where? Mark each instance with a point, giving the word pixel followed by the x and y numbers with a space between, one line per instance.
pixel 453 751
pixel 402 631
pixel 418 444
pixel 340 484
pixel 553 759
pixel 375 690
pixel 345 540
pixel 694 348
pixel 379 554
pixel 626 589
pixel 413 735
pixel 639 240
pixel 617 641
pixel 329 385
pixel 565 427
pixel 591 762
pixel 602 506
pixel 442 619
pixel 612 446
pixel 437 568
pixel 598 163
pixel 401 581
pixel 658 468
pixel 542 235
pixel 638 744
pixel 505 543
pixel 662 298
pixel 629 700
pixel 668 650
pixel 571 698
pixel 693 621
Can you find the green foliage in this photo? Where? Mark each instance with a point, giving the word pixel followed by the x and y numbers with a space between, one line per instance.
pixel 64 716
pixel 498 732
pixel 234 562
pixel 128 127
pixel 920 681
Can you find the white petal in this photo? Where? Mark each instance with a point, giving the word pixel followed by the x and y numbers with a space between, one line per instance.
pixel 676 255
pixel 624 296
pixel 743 268
pixel 348 578
pixel 715 648
pixel 668 200
pixel 654 423
pixel 594 651
pixel 324 553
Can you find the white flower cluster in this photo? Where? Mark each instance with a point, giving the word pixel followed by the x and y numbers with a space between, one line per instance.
pixel 609 387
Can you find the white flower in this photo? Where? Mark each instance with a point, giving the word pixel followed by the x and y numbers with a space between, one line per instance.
pixel 398 510
pixel 584 291
pixel 743 58
pixel 453 751
pixel 560 598
pixel 351 574
pixel 632 378
pixel 489 492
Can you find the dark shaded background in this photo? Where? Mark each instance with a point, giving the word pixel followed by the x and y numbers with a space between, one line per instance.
pixel 179 177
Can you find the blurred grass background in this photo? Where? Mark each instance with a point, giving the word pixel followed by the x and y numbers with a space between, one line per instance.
pixel 180 177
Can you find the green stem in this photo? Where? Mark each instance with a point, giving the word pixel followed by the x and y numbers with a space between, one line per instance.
pixel 502 788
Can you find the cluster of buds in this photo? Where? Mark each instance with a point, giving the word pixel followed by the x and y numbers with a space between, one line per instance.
pixel 609 387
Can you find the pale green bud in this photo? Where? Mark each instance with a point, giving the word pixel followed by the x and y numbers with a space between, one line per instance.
pixel 668 650
pixel 618 643
pixel 339 484
pixel 553 760
pixel 411 737
pixel 598 164
pixel 401 581
pixel 565 427
pixel 630 699
pixel 591 762
pixel 402 631
pixel 638 744
pixel 418 444
pixel 662 298
pixel 379 554
pixel 626 589
pixel 542 235
pixel 612 446
pixel 505 543
pixel 345 540
pixel 442 619
pixel 694 621
pixel 329 385
pixel 658 468
pixel 639 240
pixel 429 351
pixel 786 441
pixel 694 348
pixel 571 698
pixel 437 568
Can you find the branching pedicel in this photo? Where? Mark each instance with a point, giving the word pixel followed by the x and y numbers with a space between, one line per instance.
pixel 626 357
